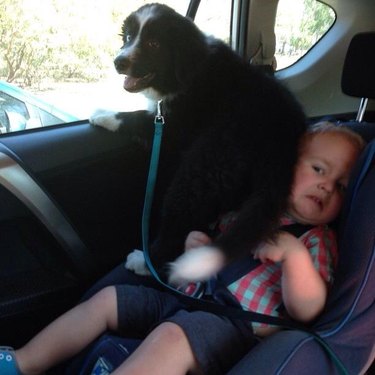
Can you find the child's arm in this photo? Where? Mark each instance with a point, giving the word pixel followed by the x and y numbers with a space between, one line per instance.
pixel 304 292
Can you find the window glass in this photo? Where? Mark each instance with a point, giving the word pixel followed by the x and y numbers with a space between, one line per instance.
pixel 47 118
pixel 62 52
pixel 214 17
pixel 299 26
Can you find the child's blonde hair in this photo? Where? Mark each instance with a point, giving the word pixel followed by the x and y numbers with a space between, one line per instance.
pixel 328 127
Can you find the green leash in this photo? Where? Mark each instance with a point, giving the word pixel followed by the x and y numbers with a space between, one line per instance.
pixel 149 195
pixel 150 187
pixel 205 305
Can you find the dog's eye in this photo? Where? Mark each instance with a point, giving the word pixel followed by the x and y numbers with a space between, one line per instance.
pixel 152 43
pixel 128 38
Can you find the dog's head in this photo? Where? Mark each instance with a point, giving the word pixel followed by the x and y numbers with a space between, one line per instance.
pixel 161 51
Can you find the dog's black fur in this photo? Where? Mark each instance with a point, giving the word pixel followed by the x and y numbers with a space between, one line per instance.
pixel 231 134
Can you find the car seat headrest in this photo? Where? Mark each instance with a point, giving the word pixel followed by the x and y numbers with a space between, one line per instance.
pixel 358 76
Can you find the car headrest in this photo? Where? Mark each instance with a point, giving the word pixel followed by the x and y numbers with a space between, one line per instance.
pixel 358 76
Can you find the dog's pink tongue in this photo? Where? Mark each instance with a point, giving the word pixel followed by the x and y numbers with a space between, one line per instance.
pixel 130 83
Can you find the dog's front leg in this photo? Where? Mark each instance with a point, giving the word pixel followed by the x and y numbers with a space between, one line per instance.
pixel 106 119
pixel 139 125
pixel 136 262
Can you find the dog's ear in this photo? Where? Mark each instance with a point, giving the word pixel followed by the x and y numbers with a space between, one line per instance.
pixel 190 51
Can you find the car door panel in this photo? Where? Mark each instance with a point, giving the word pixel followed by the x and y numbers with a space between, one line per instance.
pixel 71 202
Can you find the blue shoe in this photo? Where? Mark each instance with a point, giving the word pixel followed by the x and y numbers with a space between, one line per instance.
pixel 8 364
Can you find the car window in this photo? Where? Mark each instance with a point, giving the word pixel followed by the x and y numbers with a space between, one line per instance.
pixel 214 18
pixel 299 26
pixel 62 52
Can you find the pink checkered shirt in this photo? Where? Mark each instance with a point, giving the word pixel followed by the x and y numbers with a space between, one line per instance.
pixel 260 289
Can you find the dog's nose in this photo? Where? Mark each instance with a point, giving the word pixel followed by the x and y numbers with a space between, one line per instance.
pixel 122 63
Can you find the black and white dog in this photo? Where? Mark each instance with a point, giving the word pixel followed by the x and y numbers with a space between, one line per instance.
pixel 230 140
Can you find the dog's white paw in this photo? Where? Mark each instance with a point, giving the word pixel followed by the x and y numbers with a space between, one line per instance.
pixel 105 119
pixel 195 265
pixel 135 262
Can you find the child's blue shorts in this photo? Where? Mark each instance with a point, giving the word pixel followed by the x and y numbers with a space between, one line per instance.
pixel 217 342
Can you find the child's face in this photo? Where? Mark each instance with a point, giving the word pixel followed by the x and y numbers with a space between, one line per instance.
pixel 321 177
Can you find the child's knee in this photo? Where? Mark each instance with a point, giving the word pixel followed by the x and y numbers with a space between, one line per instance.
pixel 106 301
pixel 178 342
pixel 105 296
pixel 172 332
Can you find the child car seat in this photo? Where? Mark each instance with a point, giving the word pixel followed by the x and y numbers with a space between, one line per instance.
pixel 348 323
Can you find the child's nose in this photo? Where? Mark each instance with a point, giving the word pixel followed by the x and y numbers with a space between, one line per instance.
pixel 327 185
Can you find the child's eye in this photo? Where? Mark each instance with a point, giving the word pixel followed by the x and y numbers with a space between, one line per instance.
pixel 318 169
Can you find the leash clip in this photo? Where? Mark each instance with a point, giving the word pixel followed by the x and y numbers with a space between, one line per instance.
pixel 159 117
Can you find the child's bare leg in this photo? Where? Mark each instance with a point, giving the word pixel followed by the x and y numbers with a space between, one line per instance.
pixel 165 351
pixel 70 333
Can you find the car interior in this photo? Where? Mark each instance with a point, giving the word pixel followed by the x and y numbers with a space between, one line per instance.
pixel 72 198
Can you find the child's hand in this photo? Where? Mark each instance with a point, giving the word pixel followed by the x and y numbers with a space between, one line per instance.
pixel 279 249
pixel 196 239
pixel 304 291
